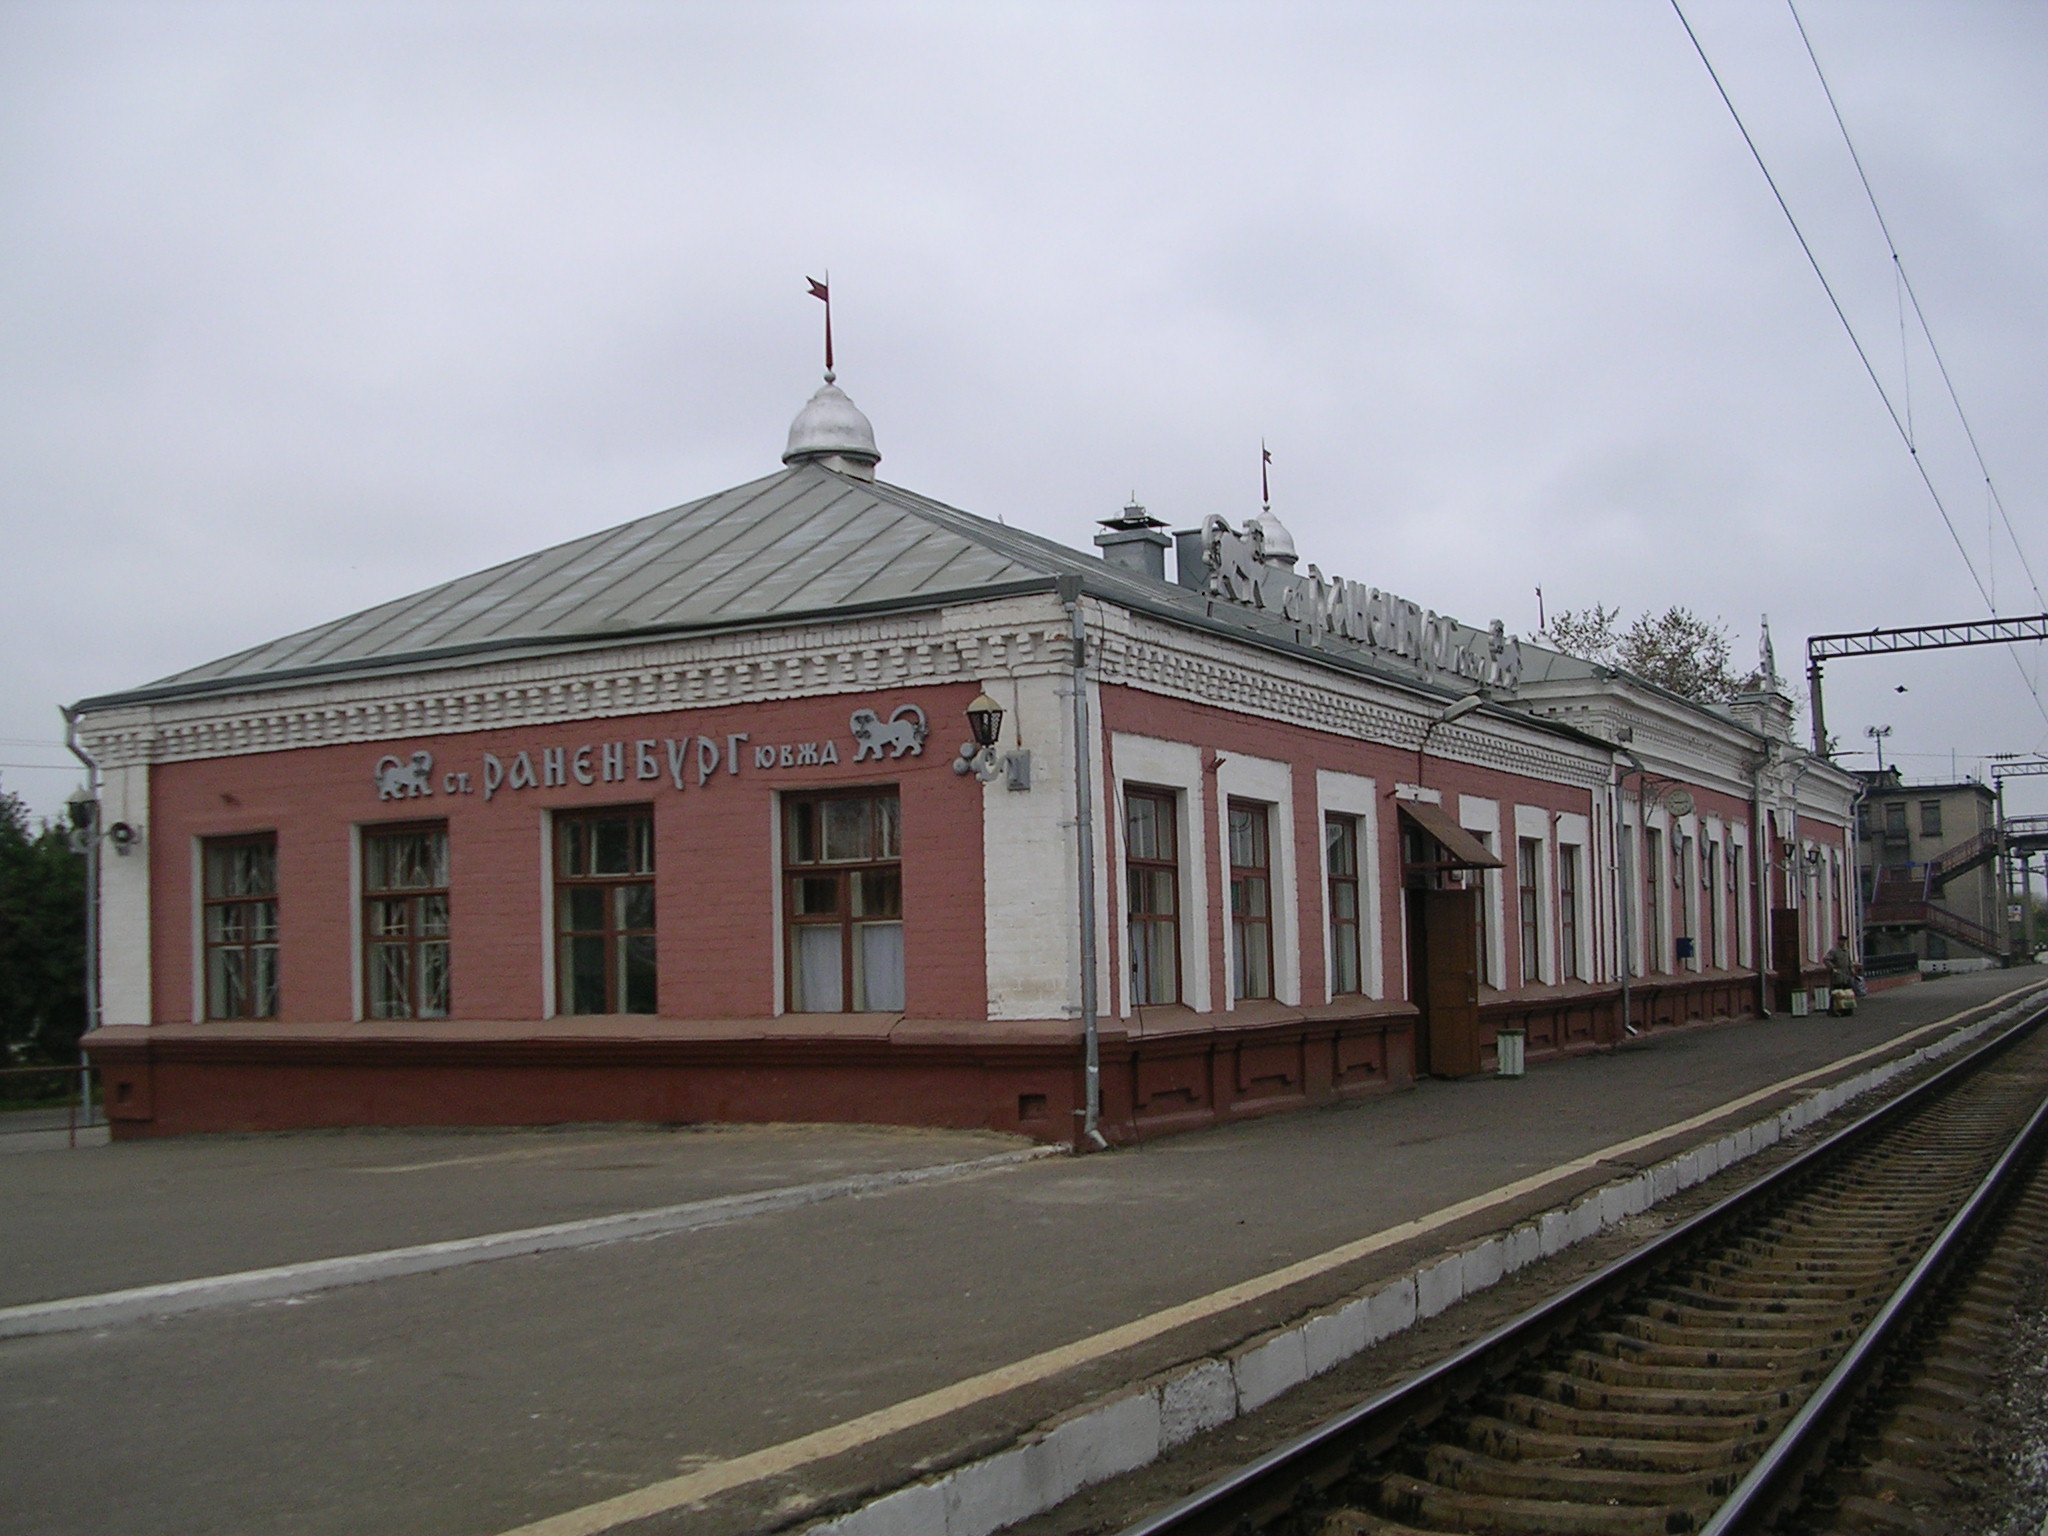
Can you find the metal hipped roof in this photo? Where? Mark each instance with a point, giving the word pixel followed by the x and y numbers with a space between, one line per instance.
pixel 803 540
pixel 806 542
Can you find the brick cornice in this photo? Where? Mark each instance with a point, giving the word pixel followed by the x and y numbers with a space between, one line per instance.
pixel 1014 637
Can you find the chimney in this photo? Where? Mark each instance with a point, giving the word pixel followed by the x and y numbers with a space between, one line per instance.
pixel 1132 542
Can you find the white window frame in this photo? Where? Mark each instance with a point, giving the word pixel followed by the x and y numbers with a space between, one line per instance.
pixel 358 1004
pixel 1147 762
pixel 1742 888
pixel 1711 893
pixel 1270 783
pixel 1575 831
pixel 1532 824
pixel 1348 794
pixel 1685 881
pixel 549 999
pixel 1477 814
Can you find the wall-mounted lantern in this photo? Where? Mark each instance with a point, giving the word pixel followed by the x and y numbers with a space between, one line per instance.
pixel 985 720
pixel 84 812
pixel 985 723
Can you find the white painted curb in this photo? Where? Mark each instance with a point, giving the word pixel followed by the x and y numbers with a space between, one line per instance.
pixel 1054 1463
pixel 111 1307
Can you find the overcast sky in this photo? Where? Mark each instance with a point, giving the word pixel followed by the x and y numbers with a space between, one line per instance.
pixel 307 306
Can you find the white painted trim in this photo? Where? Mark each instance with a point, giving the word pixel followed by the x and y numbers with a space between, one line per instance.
pixel 125 957
pixel 1477 814
pixel 198 927
pixel 1684 880
pixel 1745 895
pixel 356 956
pixel 1348 794
pixel 1533 823
pixel 549 993
pixel 1271 784
pixel 1575 831
pixel 778 944
pixel 1150 763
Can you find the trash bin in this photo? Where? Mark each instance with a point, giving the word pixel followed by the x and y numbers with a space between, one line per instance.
pixel 1508 1047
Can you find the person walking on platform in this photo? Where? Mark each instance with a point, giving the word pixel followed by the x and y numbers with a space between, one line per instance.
pixel 1841 964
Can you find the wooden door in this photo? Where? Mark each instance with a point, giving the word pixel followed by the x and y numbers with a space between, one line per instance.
pixel 1450 981
pixel 1785 958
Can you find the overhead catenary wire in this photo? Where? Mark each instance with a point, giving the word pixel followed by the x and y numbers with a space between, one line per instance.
pixel 1899 425
pixel 1813 261
pixel 1905 281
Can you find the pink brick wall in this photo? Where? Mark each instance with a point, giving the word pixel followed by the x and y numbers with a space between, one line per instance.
pixel 714 878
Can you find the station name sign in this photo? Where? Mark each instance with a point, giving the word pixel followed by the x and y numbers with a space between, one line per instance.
pixel 678 761
pixel 1240 572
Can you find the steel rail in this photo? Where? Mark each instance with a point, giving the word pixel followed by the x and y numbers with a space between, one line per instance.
pixel 1311 1463
pixel 1776 1484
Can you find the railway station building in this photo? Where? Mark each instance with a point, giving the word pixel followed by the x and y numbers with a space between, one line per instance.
pixel 819 800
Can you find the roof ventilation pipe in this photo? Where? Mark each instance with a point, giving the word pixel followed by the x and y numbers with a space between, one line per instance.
pixel 1131 541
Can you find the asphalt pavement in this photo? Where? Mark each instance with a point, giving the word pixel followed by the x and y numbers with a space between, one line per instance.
pixel 472 1400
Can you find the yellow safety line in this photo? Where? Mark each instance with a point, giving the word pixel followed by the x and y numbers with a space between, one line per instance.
pixel 819 1445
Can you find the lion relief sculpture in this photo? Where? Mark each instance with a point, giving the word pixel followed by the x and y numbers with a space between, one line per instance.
pixel 405 781
pixel 904 731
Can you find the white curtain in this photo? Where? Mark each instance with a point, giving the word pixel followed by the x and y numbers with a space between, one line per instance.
pixel 881 967
pixel 817 969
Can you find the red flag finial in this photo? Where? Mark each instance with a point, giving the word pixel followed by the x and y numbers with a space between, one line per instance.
pixel 824 291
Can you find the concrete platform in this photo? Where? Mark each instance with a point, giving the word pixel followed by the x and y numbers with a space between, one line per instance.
pixel 779 1368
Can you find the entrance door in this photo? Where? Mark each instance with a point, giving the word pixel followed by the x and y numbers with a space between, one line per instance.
pixel 1444 962
pixel 1785 959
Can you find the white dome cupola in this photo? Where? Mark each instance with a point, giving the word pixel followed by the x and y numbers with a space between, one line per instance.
pixel 1275 543
pixel 830 430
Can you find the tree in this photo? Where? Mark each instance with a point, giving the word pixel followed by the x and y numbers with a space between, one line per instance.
pixel 42 940
pixel 1676 649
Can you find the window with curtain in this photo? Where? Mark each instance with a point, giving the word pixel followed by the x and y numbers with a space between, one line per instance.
pixel 1251 900
pixel 1152 883
pixel 1528 904
pixel 1340 842
pixel 1653 904
pixel 239 892
pixel 842 857
pixel 405 922
pixel 1710 899
pixel 604 911
pixel 1481 880
pixel 1568 912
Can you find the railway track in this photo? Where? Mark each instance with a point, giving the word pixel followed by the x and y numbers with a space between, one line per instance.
pixel 1701 1383
pixel 1912 1461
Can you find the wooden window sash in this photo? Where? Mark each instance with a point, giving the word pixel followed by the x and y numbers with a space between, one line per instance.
pixel 883 857
pixel 414 940
pixel 1143 926
pixel 623 943
pixel 1251 929
pixel 255 918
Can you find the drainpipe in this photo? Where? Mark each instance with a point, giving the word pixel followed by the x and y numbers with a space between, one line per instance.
pixel 1853 840
pixel 1084 838
pixel 91 836
pixel 1760 884
pixel 92 876
pixel 1624 891
pixel 1795 867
